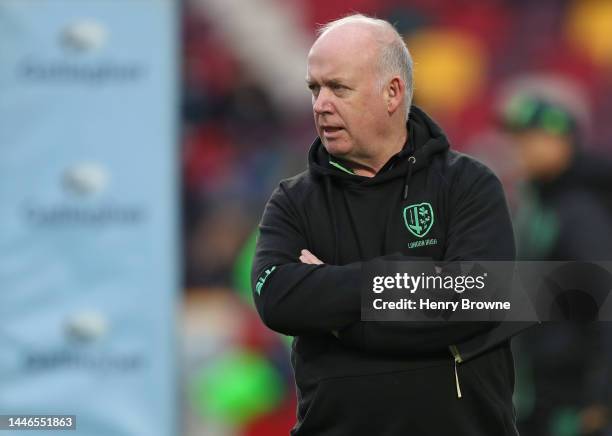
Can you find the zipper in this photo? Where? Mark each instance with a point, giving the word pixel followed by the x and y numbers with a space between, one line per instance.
pixel 458 360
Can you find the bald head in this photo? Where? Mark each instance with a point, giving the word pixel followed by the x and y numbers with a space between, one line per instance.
pixel 373 37
pixel 360 75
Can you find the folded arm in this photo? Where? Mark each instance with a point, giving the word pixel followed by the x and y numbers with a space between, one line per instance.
pixel 296 294
pixel 296 298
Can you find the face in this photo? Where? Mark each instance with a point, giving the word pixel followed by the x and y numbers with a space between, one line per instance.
pixel 348 103
pixel 542 155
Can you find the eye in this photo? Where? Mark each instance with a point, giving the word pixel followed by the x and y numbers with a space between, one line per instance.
pixel 314 88
pixel 338 88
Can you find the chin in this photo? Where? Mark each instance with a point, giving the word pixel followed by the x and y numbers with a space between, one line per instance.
pixel 337 148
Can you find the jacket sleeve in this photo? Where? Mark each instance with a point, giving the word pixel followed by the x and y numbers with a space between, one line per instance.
pixel 291 297
pixel 586 228
pixel 479 229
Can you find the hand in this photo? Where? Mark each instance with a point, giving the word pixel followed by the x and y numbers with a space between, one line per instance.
pixel 594 418
pixel 309 258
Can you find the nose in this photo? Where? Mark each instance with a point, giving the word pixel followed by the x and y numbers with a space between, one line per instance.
pixel 322 103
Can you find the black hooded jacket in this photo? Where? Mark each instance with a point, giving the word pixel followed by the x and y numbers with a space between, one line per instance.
pixel 570 216
pixel 386 378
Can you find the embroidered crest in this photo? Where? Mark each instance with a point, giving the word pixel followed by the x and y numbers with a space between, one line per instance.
pixel 419 218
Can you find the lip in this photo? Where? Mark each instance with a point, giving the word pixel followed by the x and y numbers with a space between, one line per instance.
pixel 331 131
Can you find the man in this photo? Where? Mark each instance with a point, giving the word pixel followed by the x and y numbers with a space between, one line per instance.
pixel 565 215
pixel 375 158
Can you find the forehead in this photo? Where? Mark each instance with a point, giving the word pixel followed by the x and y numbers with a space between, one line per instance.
pixel 343 53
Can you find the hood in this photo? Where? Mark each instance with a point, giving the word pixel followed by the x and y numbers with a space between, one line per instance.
pixel 425 140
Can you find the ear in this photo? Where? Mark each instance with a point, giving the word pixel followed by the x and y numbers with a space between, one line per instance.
pixel 395 90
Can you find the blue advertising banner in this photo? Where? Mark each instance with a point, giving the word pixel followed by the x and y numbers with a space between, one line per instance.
pixel 89 274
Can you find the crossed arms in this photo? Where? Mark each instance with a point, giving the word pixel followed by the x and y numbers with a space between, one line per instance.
pixel 304 296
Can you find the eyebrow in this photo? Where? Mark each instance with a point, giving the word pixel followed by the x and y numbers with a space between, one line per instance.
pixel 332 81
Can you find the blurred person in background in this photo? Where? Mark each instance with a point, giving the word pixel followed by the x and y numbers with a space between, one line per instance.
pixel 564 215
pixel 376 158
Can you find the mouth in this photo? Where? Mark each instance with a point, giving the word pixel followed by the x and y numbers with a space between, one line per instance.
pixel 331 131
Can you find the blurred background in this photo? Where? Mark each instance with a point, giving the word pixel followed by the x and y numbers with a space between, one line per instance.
pixel 140 140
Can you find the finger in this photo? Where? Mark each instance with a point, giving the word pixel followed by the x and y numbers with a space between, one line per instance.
pixel 312 259
pixel 309 256
pixel 308 260
pixel 304 257
pixel 316 260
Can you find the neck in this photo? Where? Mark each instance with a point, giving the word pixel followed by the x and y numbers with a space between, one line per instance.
pixel 370 167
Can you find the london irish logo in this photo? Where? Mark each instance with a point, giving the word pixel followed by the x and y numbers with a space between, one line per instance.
pixel 419 218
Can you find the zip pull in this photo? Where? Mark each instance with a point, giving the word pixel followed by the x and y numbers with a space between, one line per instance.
pixel 457 381
pixel 458 360
pixel 411 162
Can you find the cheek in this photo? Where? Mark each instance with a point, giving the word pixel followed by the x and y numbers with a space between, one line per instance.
pixel 373 120
pixel 542 152
pixel 362 114
pixel 374 106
